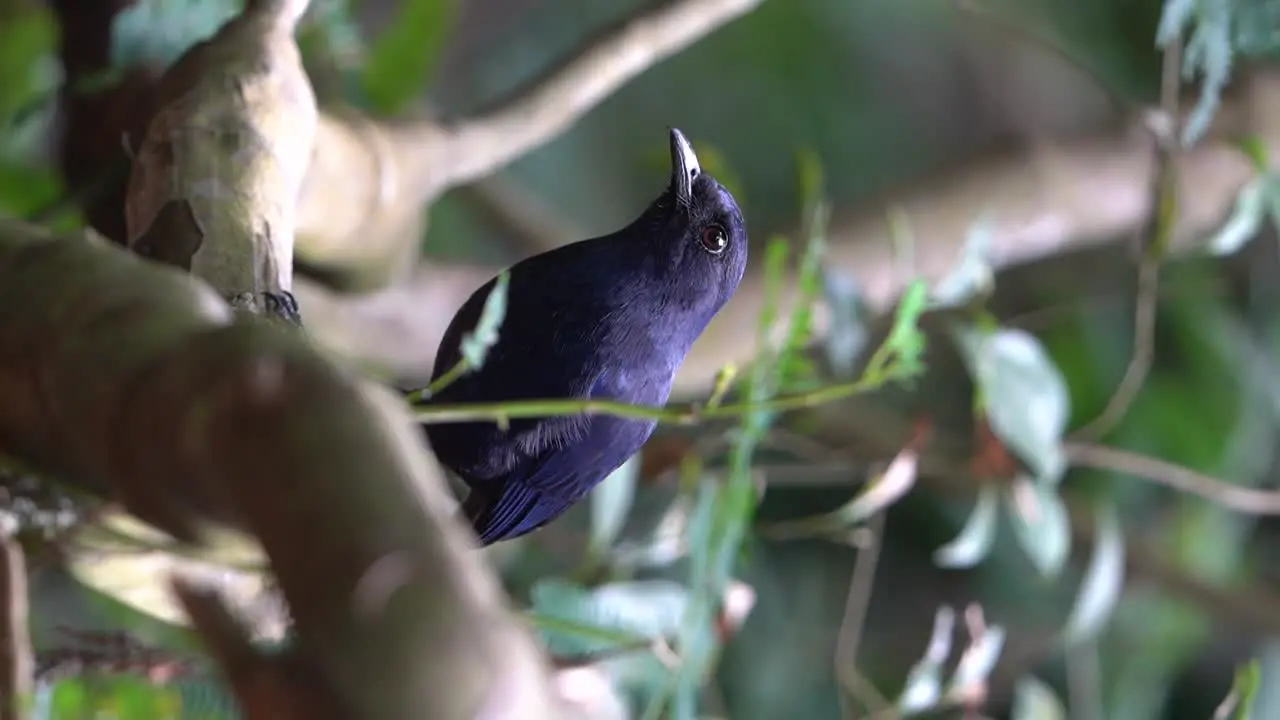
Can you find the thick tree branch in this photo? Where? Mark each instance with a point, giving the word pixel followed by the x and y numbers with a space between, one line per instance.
pixel 1051 198
pixel 132 378
pixel 215 179
pixel 370 181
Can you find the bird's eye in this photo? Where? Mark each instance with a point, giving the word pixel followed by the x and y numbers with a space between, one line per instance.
pixel 714 240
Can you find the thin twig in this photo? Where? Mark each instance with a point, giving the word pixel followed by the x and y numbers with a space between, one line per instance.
pixel 1135 373
pixel 1247 500
pixel 690 414
pixel 18 661
pixel 547 105
pixel 855 606
pixel 1153 247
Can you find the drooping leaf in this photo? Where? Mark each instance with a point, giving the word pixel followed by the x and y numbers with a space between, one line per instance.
pixel 1103 580
pixel 1243 223
pixel 976 662
pixel 1041 525
pixel 923 688
pixel 972 274
pixel 1023 394
pixel 882 491
pixel 975 540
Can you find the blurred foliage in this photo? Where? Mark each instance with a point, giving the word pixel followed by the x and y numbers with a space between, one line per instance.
pixel 865 95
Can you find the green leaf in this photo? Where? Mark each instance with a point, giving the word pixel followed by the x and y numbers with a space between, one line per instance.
pixel 476 344
pixel 28 65
pixel 124 697
pixel 1023 393
pixel 24 190
pixel 610 504
pixel 157 32
pixel 1254 148
pixel 1041 525
pixel 1239 703
pixel 400 62
pixel 905 339
pixel 1103 580
pixel 975 540
pixel 794 367
pixel 1034 700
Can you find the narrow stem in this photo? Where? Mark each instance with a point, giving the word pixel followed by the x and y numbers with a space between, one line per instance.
pixel 689 414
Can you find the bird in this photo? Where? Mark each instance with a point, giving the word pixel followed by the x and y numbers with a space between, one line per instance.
pixel 606 318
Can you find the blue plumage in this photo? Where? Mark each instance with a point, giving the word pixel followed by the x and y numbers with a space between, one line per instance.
pixel 611 318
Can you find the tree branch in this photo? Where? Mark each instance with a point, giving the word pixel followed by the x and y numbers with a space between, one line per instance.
pixel 132 378
pixel 1247 500
pixel 17 664
pixel 548 105
pixel 370 181
pixel 1052 198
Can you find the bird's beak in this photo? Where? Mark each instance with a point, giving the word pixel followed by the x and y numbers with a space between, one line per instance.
pixel 684 167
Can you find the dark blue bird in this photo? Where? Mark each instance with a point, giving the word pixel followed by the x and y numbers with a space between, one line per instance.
pixel 611 318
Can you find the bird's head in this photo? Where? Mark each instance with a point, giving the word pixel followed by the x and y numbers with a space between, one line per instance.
pixel 700 236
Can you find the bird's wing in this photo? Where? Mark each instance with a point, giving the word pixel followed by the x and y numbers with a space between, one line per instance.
pixel 554 480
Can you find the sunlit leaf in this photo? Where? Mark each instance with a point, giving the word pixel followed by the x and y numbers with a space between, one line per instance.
pixel 973 543
pixel 923 688
pixel 28 41
pixel 476 344
pixel 1034 700
pixel 847 332
pixel 1243 223
pixel 1023 393
pixel 905 339
pixel 24 190
pixel 1255 148
pixel 1041 525
pixel 1241 700
pixel 400 60
pixel 1102 582
pixel 972 275
pixel 1257 685
pixel 610 503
